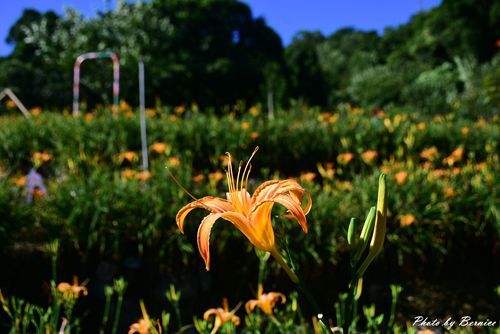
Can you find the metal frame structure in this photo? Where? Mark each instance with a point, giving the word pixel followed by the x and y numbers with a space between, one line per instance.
pixel 8 92
pixel 76 77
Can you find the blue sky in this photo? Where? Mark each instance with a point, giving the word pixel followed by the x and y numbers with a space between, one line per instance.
pixel 286 16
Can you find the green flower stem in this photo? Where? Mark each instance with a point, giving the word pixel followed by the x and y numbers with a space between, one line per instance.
pixel 295 279
pixel 274 252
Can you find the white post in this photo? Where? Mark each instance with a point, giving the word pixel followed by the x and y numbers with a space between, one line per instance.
pixel 270 104
pixel 143 116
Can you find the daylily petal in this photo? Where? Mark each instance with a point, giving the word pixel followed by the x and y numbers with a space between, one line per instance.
pixel 297 192
pixel 288 202
pixel 250 305
pixel 264 189
pixel 277 295
pixel 211 311
pixel 212 204
pixel 237 219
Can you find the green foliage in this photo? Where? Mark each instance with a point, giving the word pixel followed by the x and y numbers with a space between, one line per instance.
pixel 433 91
pixel 208 46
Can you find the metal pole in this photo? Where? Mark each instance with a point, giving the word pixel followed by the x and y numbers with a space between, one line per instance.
pixel 143 116
pixel 270 104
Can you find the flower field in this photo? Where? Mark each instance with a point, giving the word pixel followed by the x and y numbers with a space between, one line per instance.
pixel 102 218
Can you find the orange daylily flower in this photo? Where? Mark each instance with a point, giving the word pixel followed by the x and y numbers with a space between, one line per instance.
pixel 265 301
pixel 455 156
pixel 254 135
pixel 449 192
pixel 143 176
pixel 180 109
pixel 326 170
pixel 253 111
pixel 250 214
pixel 198 178
pixel 159 147
pixel 245 125
pixel 128 173
pixel 20 181
pixel 406 220
pixel 151 112
pixel 369 156
pixel 309 176
pixel 73 291
pixel 430 153
pixel 36 111
pixel 174 161
pixel 438 173
pixel 141 327
pixel 215 177
pixel 41 157
pixel 345 158
pixel 37 192
pixel 128 155
pixel 222 315
pixel 10 104
pixel 144 325
pixel 401 177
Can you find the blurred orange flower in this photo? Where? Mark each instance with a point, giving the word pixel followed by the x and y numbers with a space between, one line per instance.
pixel 89 117
pixel 159 147
pixel 245 125
pixel 326 170
pixel 174 161
pixel 128 173
pixel 455 156
pixel 265 301
pixel 254 135
pixel 179 109
pixel 40 157
pixel 216 177
pixel 37 192
pixel 406 220
pixel 10 104
pixel 401 177
pixel 369 156
pixel 464 130
pixel 150 112
pixel 253 111
pixel 20 181
pixel 222 315
pixel 143 176
pixel 449 192
pixel 308 177
pixel 430 153
pixel 140 327
pixel 421 126
pixel 124 106
pixel 143 326
pixel 198 178
pixel 356 110
pixel 345 158
pixel 36 111
pixel 344 185
pixel 72 291
pixel 128 155
pixel 437 173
